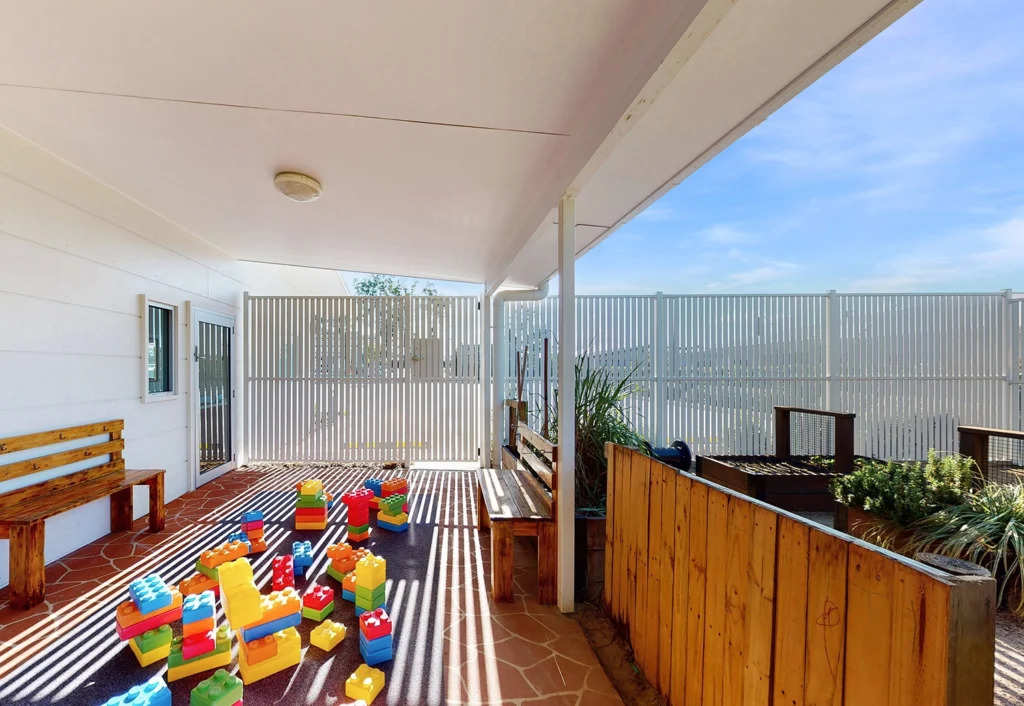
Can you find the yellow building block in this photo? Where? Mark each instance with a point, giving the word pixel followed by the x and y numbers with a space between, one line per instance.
pixel 289 654
pixel 206 664
pixel 311 525
pixel 311 488
pixel 365 683
pixel 371 571
pixel 327 635
pixel 234 573
pixel 148 658
pixel 242 606
pixel 398 519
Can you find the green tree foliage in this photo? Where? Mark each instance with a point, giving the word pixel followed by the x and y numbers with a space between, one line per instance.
pixel 389 286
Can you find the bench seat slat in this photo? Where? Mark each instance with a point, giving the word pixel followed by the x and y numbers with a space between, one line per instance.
pixel 531 506
pixel 47 504
pixel 500 506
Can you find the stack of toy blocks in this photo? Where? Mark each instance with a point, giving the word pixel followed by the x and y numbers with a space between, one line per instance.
pixel 271 644
pixel 348 577
pixel 371 577
pixel 396 486
pixel 203 646
pixel 302 557
pixel 311 506
pixel 365 683
pixel 210 560
pixel 252 528
pixel 222 689
pixel 392 516
pixel 284 573
pixel 341 561
pixel 152 693
pixel 327 635
pixel 375 637
pixel 374 484
pixel 318 603
pixel 144 620
pixel 358 502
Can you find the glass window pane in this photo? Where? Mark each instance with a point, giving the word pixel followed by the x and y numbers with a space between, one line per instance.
pixel 159 360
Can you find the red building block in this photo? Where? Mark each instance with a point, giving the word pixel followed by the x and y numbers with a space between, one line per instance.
pixel 284 572
pixel 318 597
pixel 375 623
pixel 195 645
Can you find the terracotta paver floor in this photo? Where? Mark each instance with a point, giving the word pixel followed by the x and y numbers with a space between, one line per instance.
pixel 470 650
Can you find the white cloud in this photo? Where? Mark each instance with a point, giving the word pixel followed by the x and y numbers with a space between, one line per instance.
pixel 769 272
pixel 726 235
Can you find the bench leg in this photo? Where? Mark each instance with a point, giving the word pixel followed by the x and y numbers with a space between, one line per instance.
pixel 157 515
pixel 28 567
pixel 483 521
pixel 501 561
pixel 547 563
pixel 121 510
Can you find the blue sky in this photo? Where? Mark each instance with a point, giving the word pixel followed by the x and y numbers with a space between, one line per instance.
pixel 900 170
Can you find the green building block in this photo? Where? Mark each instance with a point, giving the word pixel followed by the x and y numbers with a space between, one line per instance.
pixel 318 615
pixel 368 605
pixel 207 571
pixel 222 689
pixel 376 594
pixel 152 639
pixel 335 574
pixel 392 504
pixel 311 503
pixel 358 530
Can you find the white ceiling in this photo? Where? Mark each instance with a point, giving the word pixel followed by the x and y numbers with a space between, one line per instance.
pixel 443 132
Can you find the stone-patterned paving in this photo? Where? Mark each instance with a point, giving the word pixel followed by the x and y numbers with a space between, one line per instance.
pixel 517 653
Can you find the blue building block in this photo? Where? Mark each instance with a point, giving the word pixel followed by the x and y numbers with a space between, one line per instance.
pixel 348 595
pixel 252 516
pixel 150 594
pixel 152 693
pixel 198 607
pixel 258 631
pixel 372 657
pixel 381 643
pixel 240 537
pixel 302 556
pixel 374 485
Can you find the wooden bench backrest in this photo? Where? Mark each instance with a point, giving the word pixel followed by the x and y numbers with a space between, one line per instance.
pixel 842 443
pixel 113 446
pixel 538 463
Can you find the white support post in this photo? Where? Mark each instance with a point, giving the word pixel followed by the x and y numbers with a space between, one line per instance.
pixel 485 382
pixel 566 506
pixel 660 319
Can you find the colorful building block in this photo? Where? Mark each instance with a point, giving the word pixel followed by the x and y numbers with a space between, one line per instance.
pixel 360 536
pixel 311 488
pixel 198 607
pixel 278 604
pixel 241 606
pixel 253 526
pixel 392 505
pixel 128 613
pixel 303 501
pixel 199 627
pixel 222 689
pixel 208 572
pixel 284 572
pixel 371 571
pixel 289 653
pixel 152 639
pixel 318 614
pixel 200 644
pixel 338 552
pixel 365 683
pixel 258 546
pixel 258 650
pixel 309 526
pixel 150 594
pixel 214 558
pixel 252 516
pixel 374 484
pixel 165 618
pixel 153 693
pixel 394 486
pixel 318 597
pixel 327 635
pixel 179 668
pixel 197 583
pixel 255 632
pixel 152 656
pixel 334 573
pixel 371 594
pixel 302 556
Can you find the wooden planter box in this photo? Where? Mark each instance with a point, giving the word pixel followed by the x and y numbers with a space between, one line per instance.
pixel 590 545
pixel 784 483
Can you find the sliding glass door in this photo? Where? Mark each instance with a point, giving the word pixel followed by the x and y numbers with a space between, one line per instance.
pixel 212 394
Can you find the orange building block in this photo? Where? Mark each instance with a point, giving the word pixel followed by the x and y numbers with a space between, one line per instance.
pixel 259 650
pixel 338 552
pixel 198 627
pixel 212 558
pixel 197 584
pixel 349 584
pixel 278 605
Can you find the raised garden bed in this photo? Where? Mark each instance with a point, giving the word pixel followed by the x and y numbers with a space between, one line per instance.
pixel 791 482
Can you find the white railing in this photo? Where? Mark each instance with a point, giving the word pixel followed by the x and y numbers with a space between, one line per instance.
pixel 709 369
pixel 362 378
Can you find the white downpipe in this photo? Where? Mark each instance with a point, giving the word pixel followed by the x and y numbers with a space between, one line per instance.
pixel 566 505
pixel 500 361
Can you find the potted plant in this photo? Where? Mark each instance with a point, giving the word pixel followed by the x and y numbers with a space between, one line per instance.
pixel 600 417
pixel 880 500
pixel 985 528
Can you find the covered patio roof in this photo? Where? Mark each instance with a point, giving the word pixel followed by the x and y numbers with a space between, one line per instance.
pixel 444 133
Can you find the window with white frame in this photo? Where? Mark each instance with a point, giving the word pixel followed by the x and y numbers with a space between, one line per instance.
pixel 160 343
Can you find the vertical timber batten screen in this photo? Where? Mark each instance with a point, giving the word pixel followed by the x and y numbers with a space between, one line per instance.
pixel 709 369
pixel 727 600
pixel 362 378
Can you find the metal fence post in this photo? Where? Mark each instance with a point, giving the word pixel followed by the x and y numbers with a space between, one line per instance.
pixel 832 343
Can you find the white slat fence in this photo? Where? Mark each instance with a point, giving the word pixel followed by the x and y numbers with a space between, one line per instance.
pixel 362 378
pixel 709 369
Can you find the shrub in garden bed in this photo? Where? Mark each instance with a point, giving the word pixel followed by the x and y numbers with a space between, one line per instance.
pixel 986 528
pixel 904 492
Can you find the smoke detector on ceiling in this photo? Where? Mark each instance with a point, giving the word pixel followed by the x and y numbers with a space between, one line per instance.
pixel 298 187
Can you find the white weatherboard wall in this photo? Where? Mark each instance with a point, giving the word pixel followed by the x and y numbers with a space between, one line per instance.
pixel 74 257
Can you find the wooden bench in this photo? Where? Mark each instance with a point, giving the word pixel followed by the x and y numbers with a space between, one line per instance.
pixel 518 500
pixel 23 512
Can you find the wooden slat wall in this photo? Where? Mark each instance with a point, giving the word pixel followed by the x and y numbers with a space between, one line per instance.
pixel 728 601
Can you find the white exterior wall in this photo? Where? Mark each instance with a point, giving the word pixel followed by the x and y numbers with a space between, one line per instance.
pixel 74 257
